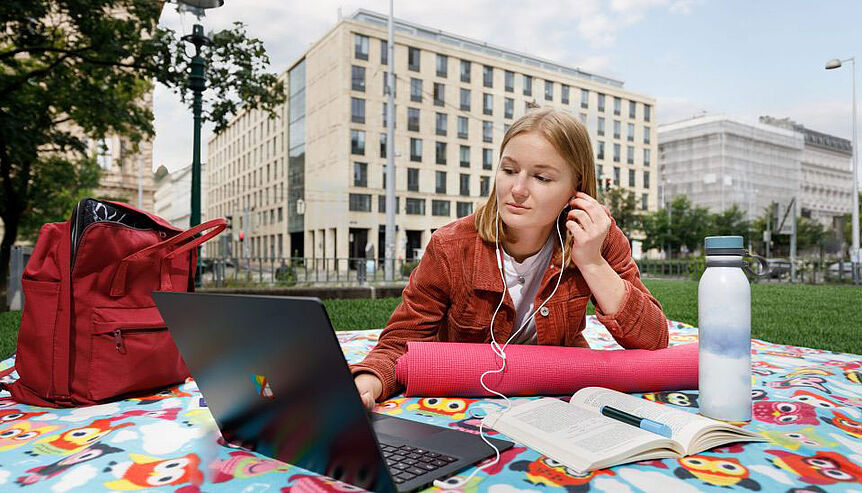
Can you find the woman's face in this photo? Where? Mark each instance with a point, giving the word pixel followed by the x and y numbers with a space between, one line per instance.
pixel 533 182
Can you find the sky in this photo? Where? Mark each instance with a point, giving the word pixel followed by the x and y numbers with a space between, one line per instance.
pixel 742 59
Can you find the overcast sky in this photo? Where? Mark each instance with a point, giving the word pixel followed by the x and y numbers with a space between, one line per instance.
pixel 738 58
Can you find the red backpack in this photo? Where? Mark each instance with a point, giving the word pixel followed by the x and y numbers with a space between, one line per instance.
pixel 90 331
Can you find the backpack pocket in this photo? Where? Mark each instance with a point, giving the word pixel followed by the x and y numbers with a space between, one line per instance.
pixel 131 351
pixel 33 358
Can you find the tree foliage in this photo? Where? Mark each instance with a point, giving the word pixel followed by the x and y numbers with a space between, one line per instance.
pixel 623 206
pixel 70 70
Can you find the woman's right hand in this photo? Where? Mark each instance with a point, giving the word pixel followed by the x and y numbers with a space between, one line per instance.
pixel 370 387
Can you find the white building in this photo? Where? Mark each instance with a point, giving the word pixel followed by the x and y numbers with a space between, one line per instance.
pixel 173 196
pixel 718 161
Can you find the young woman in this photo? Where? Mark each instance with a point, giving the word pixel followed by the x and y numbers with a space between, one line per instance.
pixel 543 193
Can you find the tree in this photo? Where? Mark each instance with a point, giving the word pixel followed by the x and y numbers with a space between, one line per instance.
pixel 623 206
pixel 71 70
pixel 730 222
pixel 682 225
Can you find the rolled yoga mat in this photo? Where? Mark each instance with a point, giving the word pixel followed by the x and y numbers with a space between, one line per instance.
pixel 453 369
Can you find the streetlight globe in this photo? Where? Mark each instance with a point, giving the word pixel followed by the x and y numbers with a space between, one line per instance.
pixel 834 63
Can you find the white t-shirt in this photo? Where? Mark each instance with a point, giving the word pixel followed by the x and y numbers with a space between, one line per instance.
pixel 523 280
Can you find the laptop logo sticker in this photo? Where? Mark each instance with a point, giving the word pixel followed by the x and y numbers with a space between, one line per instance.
pixel 261 386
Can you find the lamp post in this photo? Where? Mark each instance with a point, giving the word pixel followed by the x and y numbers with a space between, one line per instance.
pixel 854 213
pixel 197 83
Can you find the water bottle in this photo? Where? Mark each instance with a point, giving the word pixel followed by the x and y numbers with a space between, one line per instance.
pixel 724 321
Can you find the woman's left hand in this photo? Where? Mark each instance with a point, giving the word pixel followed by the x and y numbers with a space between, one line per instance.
pixel 589 222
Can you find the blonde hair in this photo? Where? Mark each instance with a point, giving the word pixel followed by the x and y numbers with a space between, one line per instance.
pixel 570 138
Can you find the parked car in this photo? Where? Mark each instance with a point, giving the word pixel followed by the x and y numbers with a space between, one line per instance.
pixel 836 269
pixel 778 268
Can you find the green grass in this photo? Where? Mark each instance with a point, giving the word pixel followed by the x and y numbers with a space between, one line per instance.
pixel 825 317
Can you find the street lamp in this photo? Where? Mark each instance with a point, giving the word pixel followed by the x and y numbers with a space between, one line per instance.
pixel 854 214
pixel 197 83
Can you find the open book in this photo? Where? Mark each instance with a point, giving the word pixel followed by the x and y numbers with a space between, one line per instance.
pixel 579 436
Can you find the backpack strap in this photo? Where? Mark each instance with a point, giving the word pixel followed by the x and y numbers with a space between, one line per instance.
pixel 189 236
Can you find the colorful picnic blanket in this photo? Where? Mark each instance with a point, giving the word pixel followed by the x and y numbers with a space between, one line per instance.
pixel 808 402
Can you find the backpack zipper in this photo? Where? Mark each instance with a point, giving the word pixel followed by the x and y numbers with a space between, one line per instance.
pixel 120 344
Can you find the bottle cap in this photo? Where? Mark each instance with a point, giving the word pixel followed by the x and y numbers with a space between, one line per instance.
pixel 724 245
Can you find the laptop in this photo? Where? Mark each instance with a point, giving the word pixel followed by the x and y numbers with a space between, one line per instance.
pixel 276 381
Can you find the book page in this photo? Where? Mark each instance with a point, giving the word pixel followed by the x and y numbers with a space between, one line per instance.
pixel 686 427
pixel 590 437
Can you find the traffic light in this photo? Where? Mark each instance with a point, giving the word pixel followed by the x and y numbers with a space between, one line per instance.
pixel 229 220
pixel 241 235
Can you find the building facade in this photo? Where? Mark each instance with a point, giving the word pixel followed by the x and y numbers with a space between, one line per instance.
pixel 826 180
pixel 173 196
pixel 312 179
pixel 717 161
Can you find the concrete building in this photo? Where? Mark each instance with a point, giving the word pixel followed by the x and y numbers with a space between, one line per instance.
pixel 173 195
pixel 826 180
pixel 718 161
pixel 310 183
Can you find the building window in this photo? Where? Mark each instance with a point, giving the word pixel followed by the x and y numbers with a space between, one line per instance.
pixel 383 145
pixel 585 98
pixel 487 132
pixel 630 134
pixel 617 129
pixel 415 90
pixel 357 142
pixel 549 90
pixel 465 100
pixel 360 202
pixel 487 76
pixel 440 208
pixel 462 127
pixel 416 150
pixel 487 104
pixel 617 105
pixel 464 209
pixel 484 185
pixel 357 77
pixel 508 108
pixel 357 110
pixel 413 119
pixel 616 153
pixel 528 85
pixel 616 176
pixel 647 111
pixel 394 84
pixel 646 157
pixel 644 201
pixel 630 155
pixel 487 158
pixel 583 118
pixel 600 152
pixel 509 81
pixel 360 46
pixel 599 171
pixel 440 123
pixel 413 179
pixel 600 126
pixel 464 156
pixel 416 206
pixel 439 94
pixel 632 109
pixel 465 71
pixel 384 52
pixel 413 59
pixel 440 152
pixel 632 178
pixel 465 185
pixel 564 97
pixel 381 204
pixel 442 66
pixel 360 174
pixel 440 181
pixel 646 135
pixel 601 102
pixel 646 179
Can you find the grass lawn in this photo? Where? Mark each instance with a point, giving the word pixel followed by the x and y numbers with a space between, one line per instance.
pixel 825 317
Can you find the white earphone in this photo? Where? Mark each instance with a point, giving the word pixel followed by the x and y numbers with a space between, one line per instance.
pixel 501 351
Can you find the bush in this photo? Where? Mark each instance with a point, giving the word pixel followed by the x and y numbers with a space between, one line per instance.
pixel 407 267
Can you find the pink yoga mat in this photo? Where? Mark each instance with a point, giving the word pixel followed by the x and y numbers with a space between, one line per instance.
pixel 453 369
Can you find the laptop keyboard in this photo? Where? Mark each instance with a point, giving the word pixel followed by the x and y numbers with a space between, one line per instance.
pixel 406 462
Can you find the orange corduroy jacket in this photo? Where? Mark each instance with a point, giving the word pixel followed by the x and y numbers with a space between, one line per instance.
pixel 454 290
